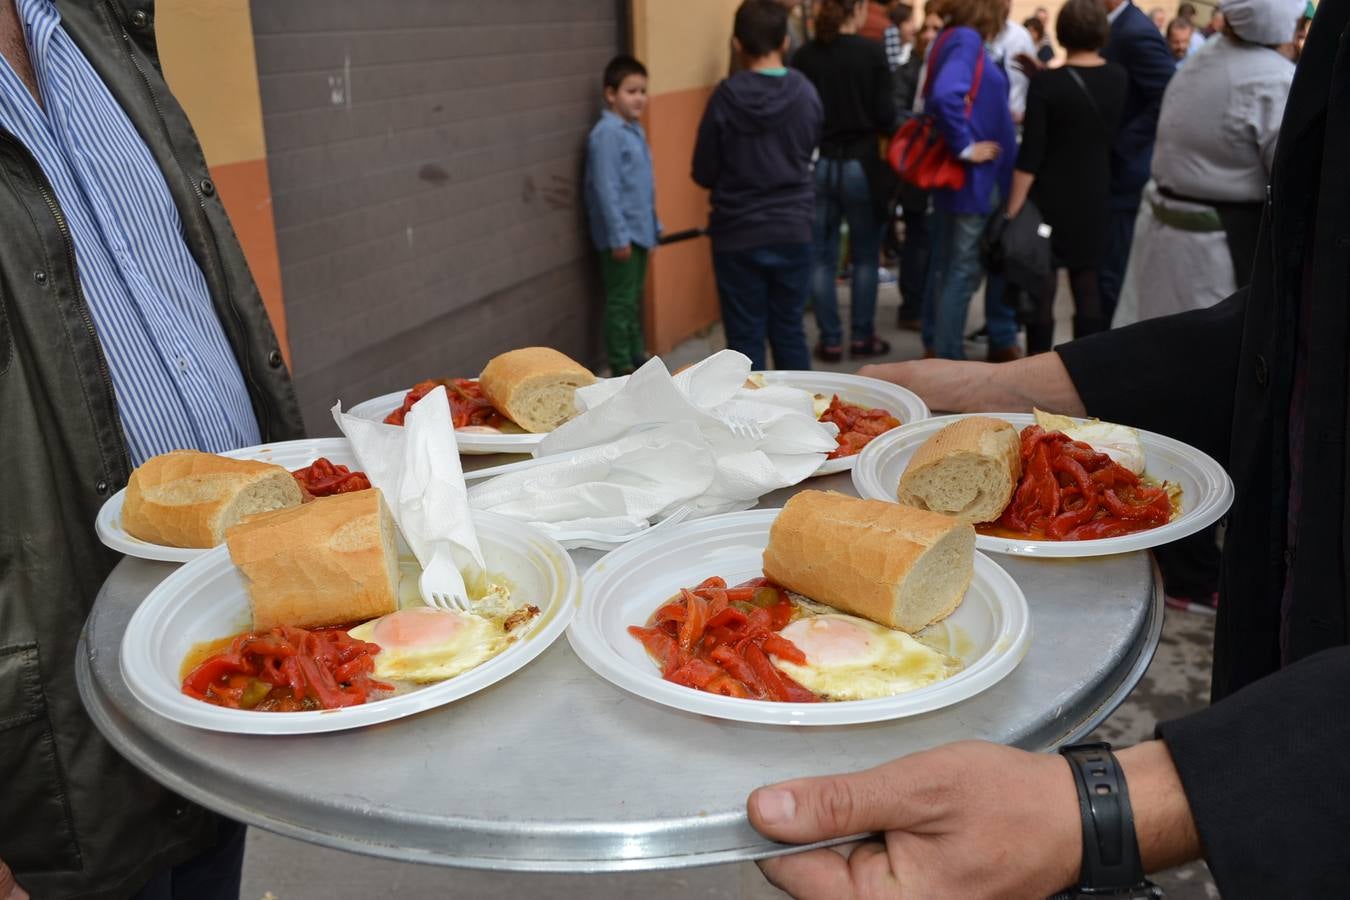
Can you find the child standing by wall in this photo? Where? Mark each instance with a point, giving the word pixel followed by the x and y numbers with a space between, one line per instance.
pixel 621 207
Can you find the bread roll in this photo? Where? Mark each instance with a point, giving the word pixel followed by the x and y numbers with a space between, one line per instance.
pixel 968 469
pixel 188 499
pixel 330 562
pixel 534 386
pixel 898 566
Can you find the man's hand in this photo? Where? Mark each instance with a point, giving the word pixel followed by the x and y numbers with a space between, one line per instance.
pixel 9 888
pixel 969 820
pixel 984 151
pixel 1027 64
pixel 622 254
pixel 951 386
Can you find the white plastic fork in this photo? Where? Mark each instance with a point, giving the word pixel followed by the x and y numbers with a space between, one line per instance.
pixel 599 540
pixel 743 427
pixel 441 584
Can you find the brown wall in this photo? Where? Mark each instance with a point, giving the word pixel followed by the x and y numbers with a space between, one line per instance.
pixel 425 161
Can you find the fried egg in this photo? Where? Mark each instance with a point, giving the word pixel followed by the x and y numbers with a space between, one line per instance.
pixel 1119 442
pixel 848 658
pixel 422 644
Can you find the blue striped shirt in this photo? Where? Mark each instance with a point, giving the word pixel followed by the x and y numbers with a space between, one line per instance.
pixel 175 377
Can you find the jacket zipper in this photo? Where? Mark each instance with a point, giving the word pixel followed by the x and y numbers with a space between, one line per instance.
pixel 200 213
pixel 49 197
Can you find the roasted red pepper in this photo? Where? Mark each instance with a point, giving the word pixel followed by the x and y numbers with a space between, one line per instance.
pixel 858 425
pixel 468 405
pixel 322 478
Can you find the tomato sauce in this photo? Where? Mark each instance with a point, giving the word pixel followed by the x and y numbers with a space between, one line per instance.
pixel 1070 492
pixel 858 425
pixel 468 405
pixel 718 639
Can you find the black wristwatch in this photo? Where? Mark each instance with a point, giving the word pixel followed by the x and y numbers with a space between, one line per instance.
pixel 1111 864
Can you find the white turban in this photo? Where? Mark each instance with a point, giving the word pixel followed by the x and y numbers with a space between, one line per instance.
pixel 1263 21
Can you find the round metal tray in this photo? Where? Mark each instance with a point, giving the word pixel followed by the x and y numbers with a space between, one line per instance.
pixel 556 770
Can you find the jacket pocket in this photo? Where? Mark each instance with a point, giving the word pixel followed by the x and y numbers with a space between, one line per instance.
pixel 36 831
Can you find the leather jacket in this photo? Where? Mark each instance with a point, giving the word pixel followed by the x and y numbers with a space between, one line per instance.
pixel 76 820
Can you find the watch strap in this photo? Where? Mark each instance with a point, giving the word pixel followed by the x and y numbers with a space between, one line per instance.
pixel 1111 863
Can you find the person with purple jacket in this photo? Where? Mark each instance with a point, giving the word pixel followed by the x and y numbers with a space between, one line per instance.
pixel 753 152
pixel 975 122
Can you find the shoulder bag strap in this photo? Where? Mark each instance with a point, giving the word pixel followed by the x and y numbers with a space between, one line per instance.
pixel 932 61
pixel 1082 85
pixel 975 82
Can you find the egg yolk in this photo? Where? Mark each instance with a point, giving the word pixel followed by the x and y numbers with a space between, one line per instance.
pixel 416 627
pixel 829 642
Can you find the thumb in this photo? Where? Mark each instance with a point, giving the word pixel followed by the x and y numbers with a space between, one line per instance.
pixel 817 809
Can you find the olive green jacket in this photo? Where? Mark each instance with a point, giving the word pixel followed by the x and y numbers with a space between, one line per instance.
pixel 76 820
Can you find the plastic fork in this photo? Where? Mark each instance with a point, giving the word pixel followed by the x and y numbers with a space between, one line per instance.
pixel 742 427
pixel 599 540
pixel 441 584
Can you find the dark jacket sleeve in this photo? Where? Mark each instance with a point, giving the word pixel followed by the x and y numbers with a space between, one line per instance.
pixel 1035 124
pixel 1150 66
pixel 1268 779
pixel 883 115
pixel 1174 375
pixel 707 155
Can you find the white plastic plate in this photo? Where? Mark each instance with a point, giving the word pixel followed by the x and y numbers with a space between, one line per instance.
pixel 990 631
pixel 1206 489
pixel 471 443
pixel 206 600
pixel 904 404
pixel 289 454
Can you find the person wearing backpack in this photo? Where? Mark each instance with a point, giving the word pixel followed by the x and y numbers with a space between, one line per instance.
pixel 1064 166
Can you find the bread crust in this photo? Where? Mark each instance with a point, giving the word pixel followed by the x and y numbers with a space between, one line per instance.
pixel 855 554
pixel 982 436
pixel 325 563
pixel 151 513
pixel 507 375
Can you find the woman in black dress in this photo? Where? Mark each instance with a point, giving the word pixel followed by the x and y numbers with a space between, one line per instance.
pixel 1064 166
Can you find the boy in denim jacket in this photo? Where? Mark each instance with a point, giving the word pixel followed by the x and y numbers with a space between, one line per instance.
pixel 621 207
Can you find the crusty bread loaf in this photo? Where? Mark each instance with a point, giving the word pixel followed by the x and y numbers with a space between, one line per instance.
pixel 898 566
pixel 534 386
pixel 968 469
pixel 188 498
pixel 330 562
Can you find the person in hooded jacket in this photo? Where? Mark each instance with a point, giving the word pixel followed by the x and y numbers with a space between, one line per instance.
pixel 753 153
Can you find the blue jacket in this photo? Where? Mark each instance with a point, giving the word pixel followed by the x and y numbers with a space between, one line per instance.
pixel 620 197
pixel 989 120
pixel 1137 46
pixel 754 153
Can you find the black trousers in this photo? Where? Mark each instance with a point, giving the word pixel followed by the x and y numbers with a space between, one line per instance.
pixel 1087 311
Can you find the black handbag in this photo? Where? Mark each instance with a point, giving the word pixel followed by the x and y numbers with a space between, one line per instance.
pixel 1024 247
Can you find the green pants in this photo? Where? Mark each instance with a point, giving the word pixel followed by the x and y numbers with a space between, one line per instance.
pixel 623 309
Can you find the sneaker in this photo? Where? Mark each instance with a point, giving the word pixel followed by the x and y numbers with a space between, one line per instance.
pixel 885 276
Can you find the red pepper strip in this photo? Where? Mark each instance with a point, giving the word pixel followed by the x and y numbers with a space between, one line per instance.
pixel 201 678
pixel 717 601
pixel 1125 511
pixel 795 692
pixel 696 673
pixel 756 583
pixel 782 648
pixel 781 614
pixel 741 593
pixel 760 622
pixel 730 617
pixel 715 581
pixel 1060 526
pixel 739 669
pixel 772 678
pixel 696 618
pixel 671 612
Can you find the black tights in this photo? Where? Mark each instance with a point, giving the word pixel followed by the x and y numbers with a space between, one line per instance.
pixel 1087 309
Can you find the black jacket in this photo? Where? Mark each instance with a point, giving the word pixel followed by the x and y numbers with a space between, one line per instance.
pixel 754 153
pixel 1136 45
pixel 75 818
pixel 1266 770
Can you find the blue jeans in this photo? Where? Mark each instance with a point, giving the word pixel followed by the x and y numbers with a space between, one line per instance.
pixel 954 272
pixel 843 194
pixel 763 292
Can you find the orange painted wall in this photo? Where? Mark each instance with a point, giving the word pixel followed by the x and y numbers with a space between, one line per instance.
pixel 686 48
pixel 680 285
pixel 216 81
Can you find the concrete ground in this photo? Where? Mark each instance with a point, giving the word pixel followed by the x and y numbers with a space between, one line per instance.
pixel 1177 682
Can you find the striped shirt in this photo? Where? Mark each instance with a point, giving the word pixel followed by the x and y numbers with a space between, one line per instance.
pixel 175 378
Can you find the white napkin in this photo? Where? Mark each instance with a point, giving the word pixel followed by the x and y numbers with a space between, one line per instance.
pixel 416 467
pixel 615 488
pixel 651 429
